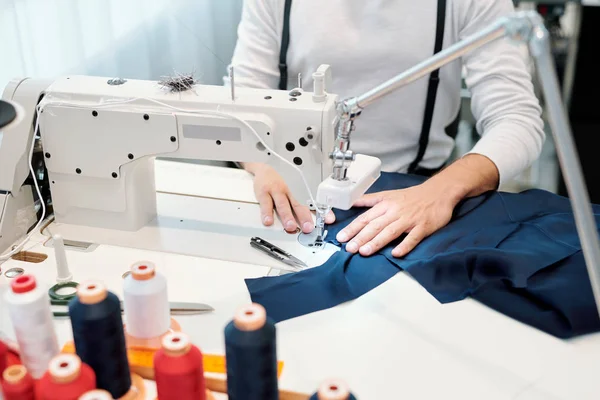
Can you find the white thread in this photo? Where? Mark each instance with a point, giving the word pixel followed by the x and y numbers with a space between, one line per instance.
pixel 146 302
pixel 31 317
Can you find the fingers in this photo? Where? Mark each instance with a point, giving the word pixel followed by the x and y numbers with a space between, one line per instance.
pixel 284 209
pixel 369 200
pixel 414 237
pixel 330 218
pixel 304 216
pixel 266 208
pixel 358 224
pixel 363 238
pixel 391 232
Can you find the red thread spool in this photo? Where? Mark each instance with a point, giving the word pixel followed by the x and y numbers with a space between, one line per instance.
pixel 3 358
pixel 17 384
pixel 178 369
pixel 67 378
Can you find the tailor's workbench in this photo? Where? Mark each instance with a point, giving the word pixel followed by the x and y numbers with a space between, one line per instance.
pixel 396 342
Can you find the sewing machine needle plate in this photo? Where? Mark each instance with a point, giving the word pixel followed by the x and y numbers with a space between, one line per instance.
pixel 312 240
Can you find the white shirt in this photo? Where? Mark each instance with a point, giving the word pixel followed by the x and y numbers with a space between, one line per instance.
pixel 368 42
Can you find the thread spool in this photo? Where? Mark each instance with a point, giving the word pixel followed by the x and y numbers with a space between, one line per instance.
pixel 179 371
pixel 146 302
pixel 31 316
pixel 251 355
pixel 333 389
pixel 96 394
pixel 3 357
pixel 98 336
pixel 17 383
pixel 67 378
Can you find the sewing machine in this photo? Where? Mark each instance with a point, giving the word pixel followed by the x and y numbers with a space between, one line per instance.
pixel 100 137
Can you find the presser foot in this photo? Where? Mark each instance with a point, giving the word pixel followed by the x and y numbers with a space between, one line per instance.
pixel 313 239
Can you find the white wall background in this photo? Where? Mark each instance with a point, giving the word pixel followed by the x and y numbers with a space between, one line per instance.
pixel 135 39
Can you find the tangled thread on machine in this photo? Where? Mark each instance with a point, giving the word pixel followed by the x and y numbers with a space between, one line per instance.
pixel 178 82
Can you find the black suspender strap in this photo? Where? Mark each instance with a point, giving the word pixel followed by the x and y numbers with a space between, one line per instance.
pixel 285 42
pixel 434 80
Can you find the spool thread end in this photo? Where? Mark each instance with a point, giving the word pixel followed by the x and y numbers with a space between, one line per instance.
pixel 14 374
pixel 143 270
pixel 65 368
pixel 333 390
pixel 250 317
pixel 176 344
pixel 91 292
pixel 23 284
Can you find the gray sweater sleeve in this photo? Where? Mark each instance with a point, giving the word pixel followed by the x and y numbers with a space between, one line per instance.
pixel 503 102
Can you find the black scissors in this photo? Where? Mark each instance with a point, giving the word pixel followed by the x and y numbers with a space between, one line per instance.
pixel 277 253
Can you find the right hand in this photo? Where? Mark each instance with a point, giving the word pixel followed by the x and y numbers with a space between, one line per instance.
pixel 272 193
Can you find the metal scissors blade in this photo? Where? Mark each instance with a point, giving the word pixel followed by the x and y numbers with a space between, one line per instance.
pixel 177 308
pixel 277 253
pixel 182 308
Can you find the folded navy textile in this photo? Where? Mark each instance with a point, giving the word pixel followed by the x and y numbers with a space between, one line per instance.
pixel 517 253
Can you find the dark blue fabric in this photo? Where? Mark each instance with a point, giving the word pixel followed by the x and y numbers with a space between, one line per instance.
pixel 517 253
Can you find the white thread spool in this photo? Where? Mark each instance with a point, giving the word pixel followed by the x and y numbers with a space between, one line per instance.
pixel 96 394
pixel 145 302
pixel 31 316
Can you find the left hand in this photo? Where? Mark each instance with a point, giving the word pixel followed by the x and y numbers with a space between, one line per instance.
pixel 419 211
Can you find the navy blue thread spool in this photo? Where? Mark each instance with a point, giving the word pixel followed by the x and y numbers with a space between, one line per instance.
pixel 333 389
pixel 251 355
pixel 98 335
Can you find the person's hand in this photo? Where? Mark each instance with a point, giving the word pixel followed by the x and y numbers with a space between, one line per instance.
pixel 419 211
pixel 272 193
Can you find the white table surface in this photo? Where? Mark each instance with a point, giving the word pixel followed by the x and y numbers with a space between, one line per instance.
pixel 394 342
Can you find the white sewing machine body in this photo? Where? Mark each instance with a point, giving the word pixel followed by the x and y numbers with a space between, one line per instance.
pixel 100 140
pixel 100 160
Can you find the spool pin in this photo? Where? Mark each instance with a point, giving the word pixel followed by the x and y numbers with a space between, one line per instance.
pixel 63 274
